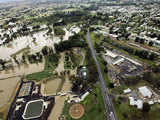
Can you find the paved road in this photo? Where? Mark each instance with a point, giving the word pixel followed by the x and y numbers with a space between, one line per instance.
pixel 108 103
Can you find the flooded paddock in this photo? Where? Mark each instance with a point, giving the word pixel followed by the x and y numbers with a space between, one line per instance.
pixel 7 87
pixel 52 86
pixel 23 69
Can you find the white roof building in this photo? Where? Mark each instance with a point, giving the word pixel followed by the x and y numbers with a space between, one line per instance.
pixel 139 104
pixel 111 54
pixel 150 102
pixel 45 105
pixel 84 96
pixel 132 102
pixel 17 107
pixel 118 61
pixel 145 91
pixel 127 91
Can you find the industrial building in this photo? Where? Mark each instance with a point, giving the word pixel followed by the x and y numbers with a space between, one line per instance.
pixel 145 92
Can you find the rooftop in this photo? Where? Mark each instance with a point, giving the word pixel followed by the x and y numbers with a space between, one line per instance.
pixel 145 91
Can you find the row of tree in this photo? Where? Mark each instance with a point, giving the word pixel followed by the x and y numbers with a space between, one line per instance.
pixel 140 53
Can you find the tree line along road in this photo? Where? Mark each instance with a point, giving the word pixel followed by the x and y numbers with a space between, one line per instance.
pixel 108 103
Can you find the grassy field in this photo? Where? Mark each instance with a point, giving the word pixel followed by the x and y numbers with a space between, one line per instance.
pixel 96 39
pixel 105 75
pixel 39 75
pixel 93 104
pixel 46 73
pixel 126 112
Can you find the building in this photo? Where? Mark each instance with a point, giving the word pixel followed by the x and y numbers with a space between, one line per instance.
pixel 82 72
pixel 131 101
pixel 138 103
pixel 150 102
pixel 118 61
pixel 145 92
pixel 127 91
pixel 110 54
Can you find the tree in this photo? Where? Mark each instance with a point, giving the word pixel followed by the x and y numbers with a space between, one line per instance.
pixel 45 51
pixel 142 41
pixel 153 56
pixel 111 85
pixel 146 108
pixel 150 43
pixel 59 32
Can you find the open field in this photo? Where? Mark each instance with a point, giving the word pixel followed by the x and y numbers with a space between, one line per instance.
pixel 59 101
pixel 7 87
pixel 39 75
pixel 51 86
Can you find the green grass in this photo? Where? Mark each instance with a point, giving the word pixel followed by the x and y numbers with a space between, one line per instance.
pixel 154 112
pixel 46 73
pixel 126 112
pixel 1 116
pixel 100 59
pixel 95 39
pixel 105 75
pixel 39 75
pixel 93 104
pixel 49 66
pixel 67 63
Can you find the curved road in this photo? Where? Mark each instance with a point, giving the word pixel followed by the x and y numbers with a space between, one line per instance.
pixel 108 103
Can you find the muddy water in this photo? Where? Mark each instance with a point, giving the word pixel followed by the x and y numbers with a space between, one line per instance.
pixel 59 101
pixel 24 69
pixel 7 87
pixel 50 88
pixel 41 40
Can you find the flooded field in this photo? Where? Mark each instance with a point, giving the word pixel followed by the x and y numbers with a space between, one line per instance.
pixel 24 69
pixel 7 86
pixel 59 101
pixel 35 42
pixel 51 86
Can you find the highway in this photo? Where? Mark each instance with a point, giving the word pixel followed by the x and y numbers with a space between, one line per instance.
pixel 108 103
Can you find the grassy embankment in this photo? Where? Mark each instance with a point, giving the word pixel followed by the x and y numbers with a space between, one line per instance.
pixel 100 59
